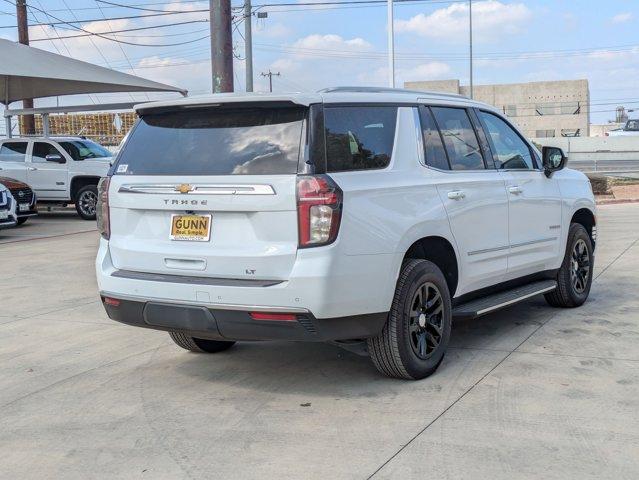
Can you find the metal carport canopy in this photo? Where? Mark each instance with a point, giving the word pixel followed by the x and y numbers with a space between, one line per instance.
pixel 27 72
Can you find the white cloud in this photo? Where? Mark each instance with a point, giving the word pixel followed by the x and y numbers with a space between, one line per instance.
pixel 332 42
pixel 271 30
pixel 622 17
pixel 614 55
pixel 318 61
pixel 492 19
pixel 423 71
pixel 185 7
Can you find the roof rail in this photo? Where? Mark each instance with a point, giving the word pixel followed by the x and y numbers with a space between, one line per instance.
pixel 386 90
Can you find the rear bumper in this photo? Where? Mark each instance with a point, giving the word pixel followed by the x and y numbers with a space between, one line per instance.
pixel 203 321
pixel 322 282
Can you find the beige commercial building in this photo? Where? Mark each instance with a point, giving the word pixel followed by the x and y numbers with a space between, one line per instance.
pixel 540 109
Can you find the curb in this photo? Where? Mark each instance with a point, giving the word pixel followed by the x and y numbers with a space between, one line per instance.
pixel 614 201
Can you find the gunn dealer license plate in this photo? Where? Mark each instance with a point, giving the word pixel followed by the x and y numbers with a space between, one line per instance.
pixel 193 228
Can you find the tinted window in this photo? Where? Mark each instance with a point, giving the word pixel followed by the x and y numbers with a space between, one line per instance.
pixel 41 150
pixel 433 146
pixel 359 138
pixel 84 149
pixel 459 138
pixel 220 141
pixel 13 152
pixel 509 150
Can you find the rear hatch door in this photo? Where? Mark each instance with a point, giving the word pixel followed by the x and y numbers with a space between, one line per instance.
pixel 209 192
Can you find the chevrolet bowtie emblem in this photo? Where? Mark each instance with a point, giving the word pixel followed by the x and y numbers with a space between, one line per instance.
pixel 184 188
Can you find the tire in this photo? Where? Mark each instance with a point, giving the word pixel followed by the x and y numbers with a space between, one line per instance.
pixel 86 202
pixel 401 349
pixel 199 345
pixel 572 288
pixel 22 221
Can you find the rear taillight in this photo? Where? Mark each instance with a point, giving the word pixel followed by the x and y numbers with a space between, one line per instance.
pixel 273 317
pixel 319 210
pixel 104 223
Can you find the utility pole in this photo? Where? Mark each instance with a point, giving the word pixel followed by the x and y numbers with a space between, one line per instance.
pixel 470 24
pixel 270 79
pixel 391 44
pixel 248 44
pixel 23 38
pixel 221 45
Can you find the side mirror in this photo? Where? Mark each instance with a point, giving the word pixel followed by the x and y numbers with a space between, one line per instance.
pixel 55 158
pixel 553 160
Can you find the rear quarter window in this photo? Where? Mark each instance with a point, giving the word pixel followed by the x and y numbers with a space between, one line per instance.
pixel 215 141
pixel 359 137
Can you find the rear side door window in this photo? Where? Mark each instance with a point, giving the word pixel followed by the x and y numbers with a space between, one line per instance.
pixel 434 151
pixel 510 151
pixel 459 137
pixel 13 152
pixel 359 137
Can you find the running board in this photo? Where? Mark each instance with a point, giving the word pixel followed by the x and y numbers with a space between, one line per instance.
pixel 490 303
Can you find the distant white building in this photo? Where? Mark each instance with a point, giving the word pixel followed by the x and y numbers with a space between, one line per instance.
pixel 541 109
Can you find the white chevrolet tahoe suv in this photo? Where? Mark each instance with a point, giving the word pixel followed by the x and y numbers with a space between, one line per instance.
pixel 359 216
pixel 59 170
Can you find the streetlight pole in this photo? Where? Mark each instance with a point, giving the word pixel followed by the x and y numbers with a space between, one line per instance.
pixel 470 30
pixel 248 44
pixel 391 45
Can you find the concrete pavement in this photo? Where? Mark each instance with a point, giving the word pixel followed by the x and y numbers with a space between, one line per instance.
pixel 62 221
pixel 528 392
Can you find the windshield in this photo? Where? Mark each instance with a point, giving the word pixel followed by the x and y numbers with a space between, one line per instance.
pixel 219 141
pixel 632 125
pixel 84 149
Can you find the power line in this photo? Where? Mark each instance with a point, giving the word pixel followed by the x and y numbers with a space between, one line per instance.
pixel 121 48
pixel 299 6
pixel 92 20
pixel 136 30
pixel 113 39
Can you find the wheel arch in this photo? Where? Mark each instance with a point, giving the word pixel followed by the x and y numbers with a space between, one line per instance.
pixel 586 217
pixel 82 181
pixel 441 252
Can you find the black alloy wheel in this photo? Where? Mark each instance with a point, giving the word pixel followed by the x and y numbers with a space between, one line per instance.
pixel 426 320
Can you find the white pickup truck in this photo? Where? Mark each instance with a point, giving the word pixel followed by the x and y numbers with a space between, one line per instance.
pixel 630 129
pixel 60 170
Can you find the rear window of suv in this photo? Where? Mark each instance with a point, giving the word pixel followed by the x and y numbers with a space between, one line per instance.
pixel 215 141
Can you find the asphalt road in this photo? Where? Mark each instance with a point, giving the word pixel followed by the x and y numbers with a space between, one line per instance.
pixel 529 392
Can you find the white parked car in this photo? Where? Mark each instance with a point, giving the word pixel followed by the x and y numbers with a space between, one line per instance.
pixel 630 129
pixel 59 169
pixel 8 207
pixel 359 216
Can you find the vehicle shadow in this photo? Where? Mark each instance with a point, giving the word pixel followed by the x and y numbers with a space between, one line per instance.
pixel 327 370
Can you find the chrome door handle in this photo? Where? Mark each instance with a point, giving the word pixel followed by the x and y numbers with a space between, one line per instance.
pixel 456 195
pixel 31 169
pixel 515 190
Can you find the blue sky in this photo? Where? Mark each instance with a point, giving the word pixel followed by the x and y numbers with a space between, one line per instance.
pixel 317 46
